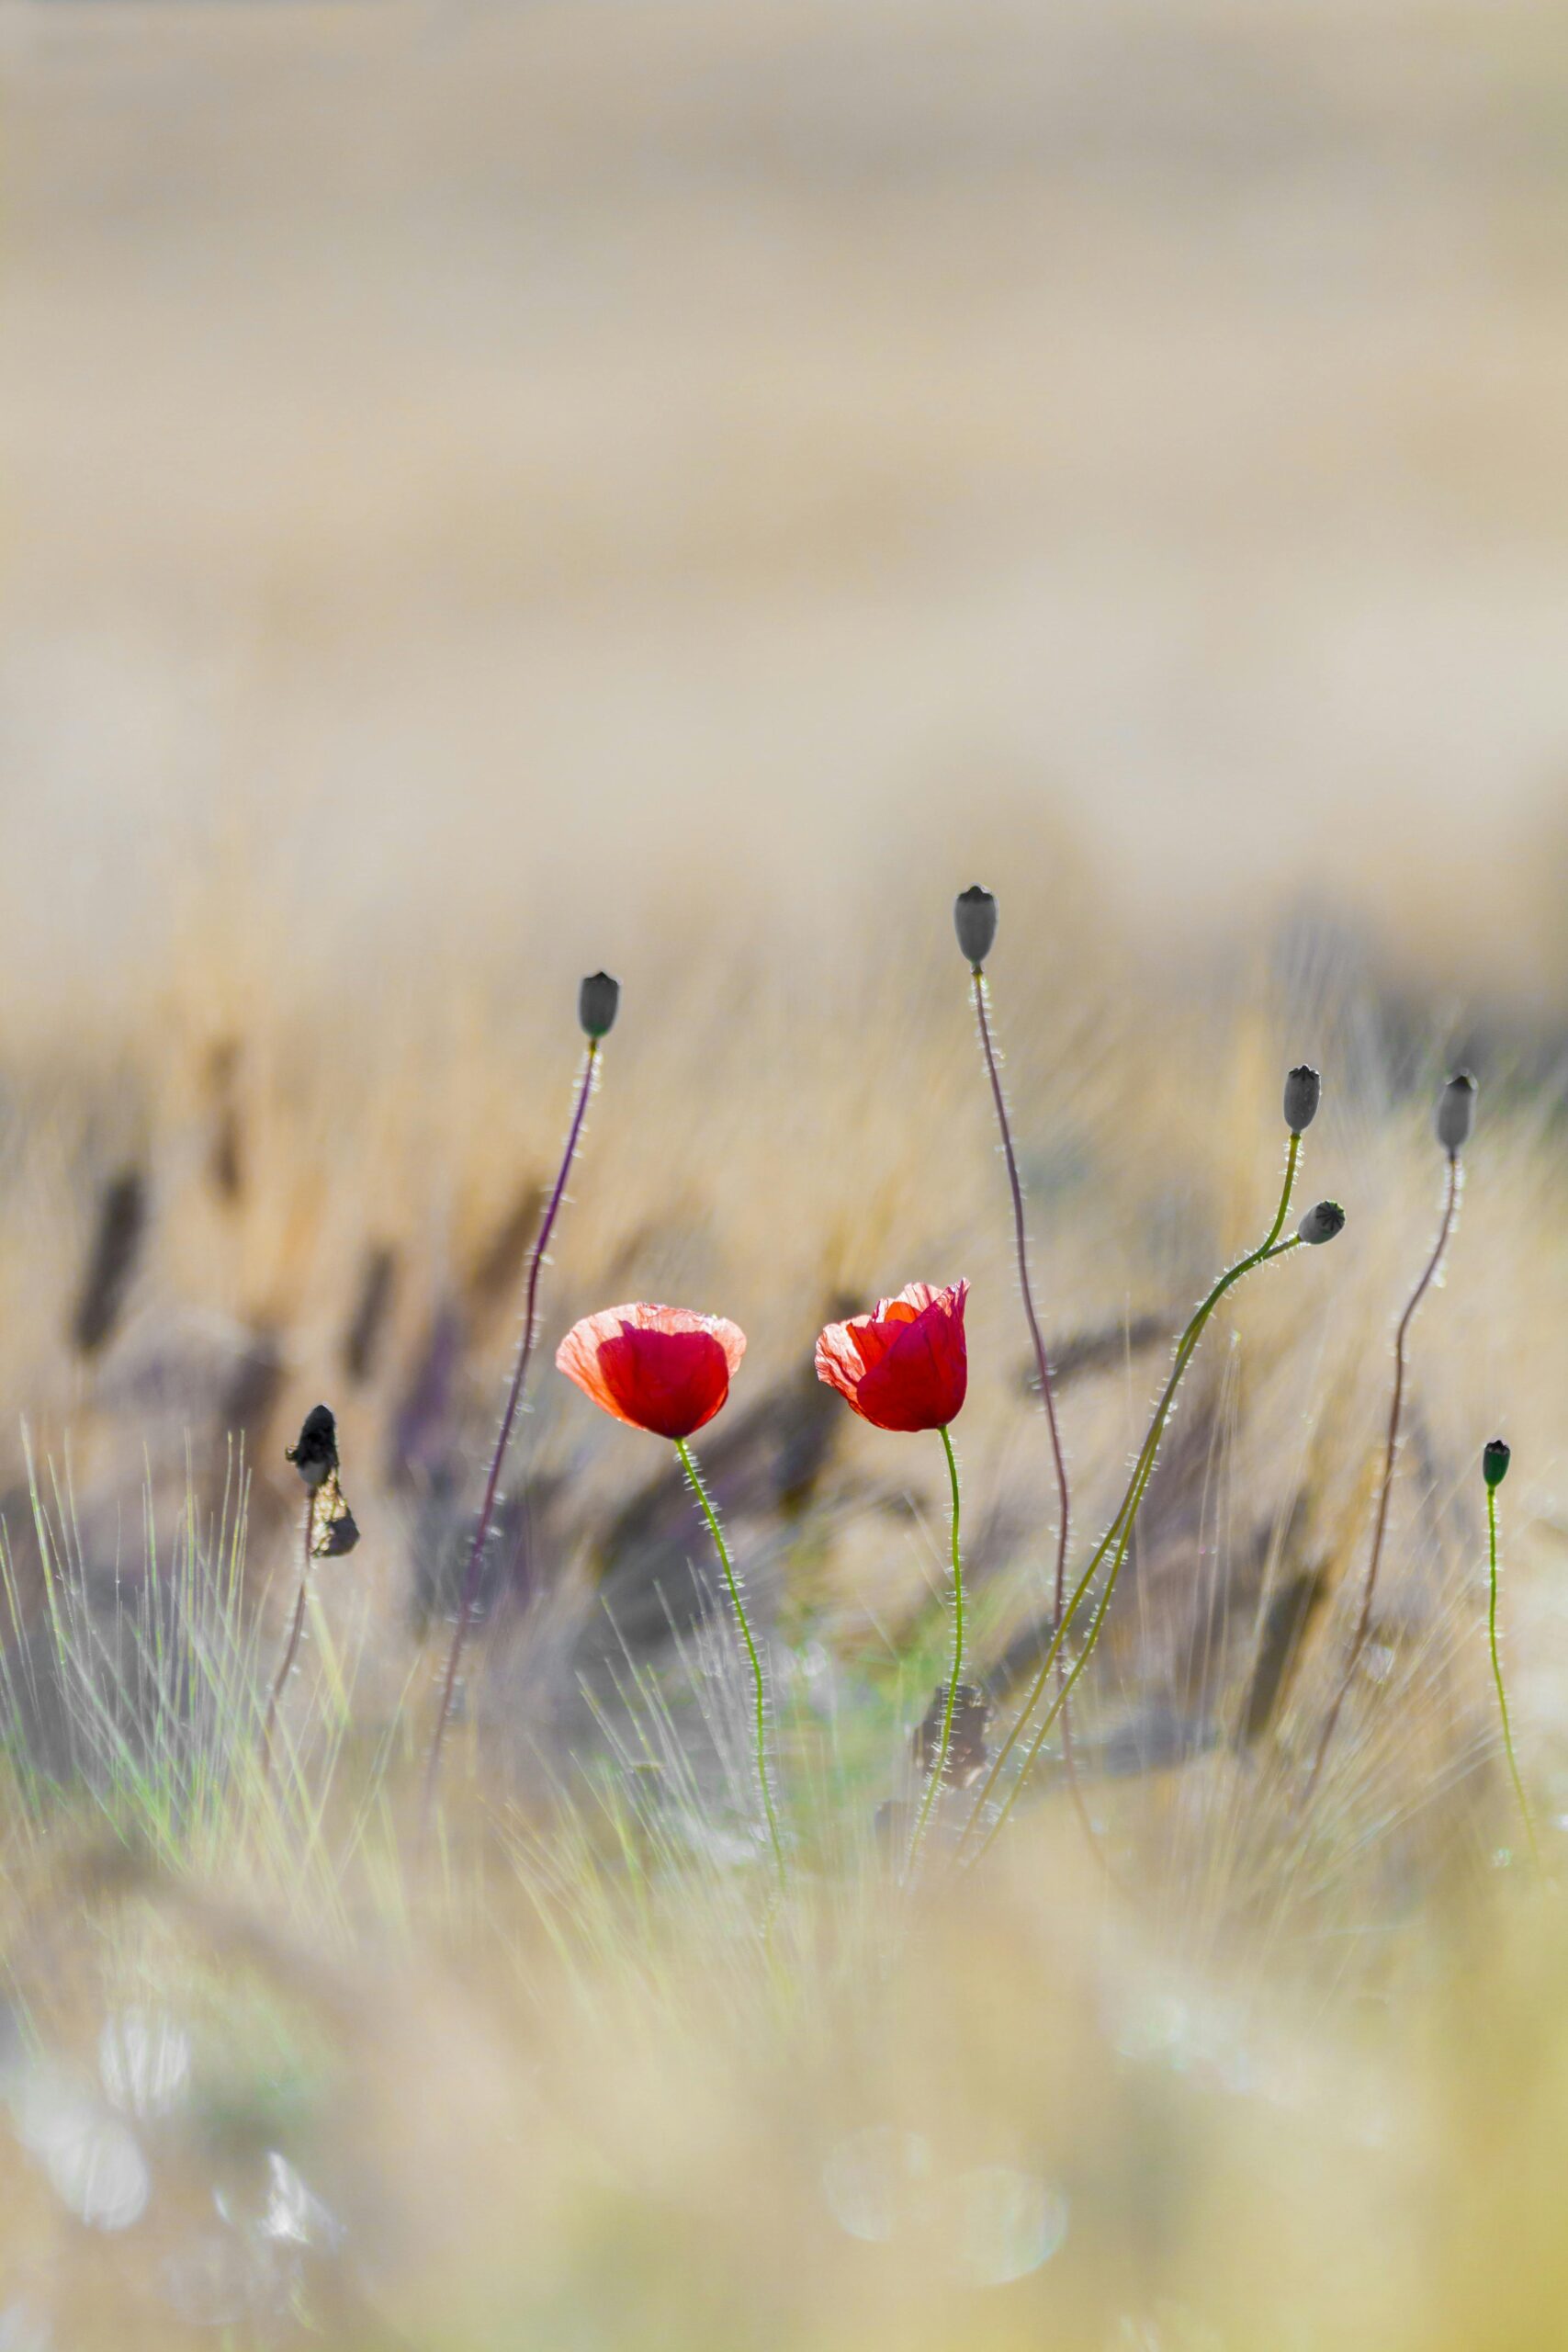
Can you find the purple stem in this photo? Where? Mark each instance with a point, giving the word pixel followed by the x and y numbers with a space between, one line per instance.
pixel 1395 1411
pixel 1043 1370
pixel 514 1399
pixel 1021 1239
pixel 295 1631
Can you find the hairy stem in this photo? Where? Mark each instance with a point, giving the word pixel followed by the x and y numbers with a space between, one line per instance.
pixel 514 1399
pixel 1020 1247
pixel 1041 1367
pixel 939 1772
pixel 1497 1679
pixel 1390 1452
pixel 292 1645
pixel 1121 1526
pixel 695 1480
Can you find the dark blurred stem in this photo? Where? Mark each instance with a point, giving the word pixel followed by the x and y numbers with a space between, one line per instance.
pixel 1043 1374
pixel 295 1631
pixel 1498 1677
pixel 695 1480
pixel 1122 1525
pixel 1390 1450
pixel 503 1438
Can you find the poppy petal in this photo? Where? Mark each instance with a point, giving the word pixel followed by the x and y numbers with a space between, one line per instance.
pixel 659 1368
pixel 922 1381
pixel 905 1367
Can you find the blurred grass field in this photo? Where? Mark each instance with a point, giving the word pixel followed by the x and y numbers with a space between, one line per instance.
pixel 490 492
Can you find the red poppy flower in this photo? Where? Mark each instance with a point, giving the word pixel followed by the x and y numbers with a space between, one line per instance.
pixel 905 1367
pixel 659 1368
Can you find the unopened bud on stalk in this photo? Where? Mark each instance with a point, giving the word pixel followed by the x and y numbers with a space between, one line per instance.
pixel 1494 1461
pixel 1303 1090
pixel 1456 1111
pixel 1322 1223
pixel 975 921
pixel 314 1451
pixel 598 1001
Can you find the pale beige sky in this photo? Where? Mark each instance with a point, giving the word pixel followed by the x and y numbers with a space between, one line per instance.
pixel 471 446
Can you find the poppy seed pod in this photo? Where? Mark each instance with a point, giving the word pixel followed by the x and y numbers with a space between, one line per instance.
pixel 1322 1223
pixel 1456 1111
pixel 975 921
pixel 314 1451
pixel 1303 1090
pixel 598 1001
pixel 1494 1461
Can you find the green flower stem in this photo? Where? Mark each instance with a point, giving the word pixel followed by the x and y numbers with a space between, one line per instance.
pixel 935 1781
pixel 1126 1537
pixel 1498 1677
pixel 1121 1526
pixel 695 1480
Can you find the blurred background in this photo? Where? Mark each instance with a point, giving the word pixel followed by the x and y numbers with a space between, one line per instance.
pixel 479 477
pixel 490 491
pixel 494 491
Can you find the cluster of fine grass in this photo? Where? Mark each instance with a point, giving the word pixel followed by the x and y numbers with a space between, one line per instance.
pixel 1089 1880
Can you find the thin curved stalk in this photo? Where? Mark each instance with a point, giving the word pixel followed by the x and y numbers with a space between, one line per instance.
pixel 1042 1368
pixel 695 1480
pixel 292 1645
pixel 1260 1258
pixel 1122 1524
pixel 939 1773
pixel 1390 1450
pixel 514 1399
pixel 1498 1677
pixel 1021 1246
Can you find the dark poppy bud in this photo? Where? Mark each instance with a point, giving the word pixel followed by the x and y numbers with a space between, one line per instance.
pixel 1456 1111
pixel 1304 1089
pixel 1494 1461
pixel 314 1451
pixel 975 921
pixel 598 1001
pixel 1322 1223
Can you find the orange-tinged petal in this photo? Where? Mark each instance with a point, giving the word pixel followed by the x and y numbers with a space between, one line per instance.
pixel 840 1362
pixel 912 1300
pixel 905 1367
